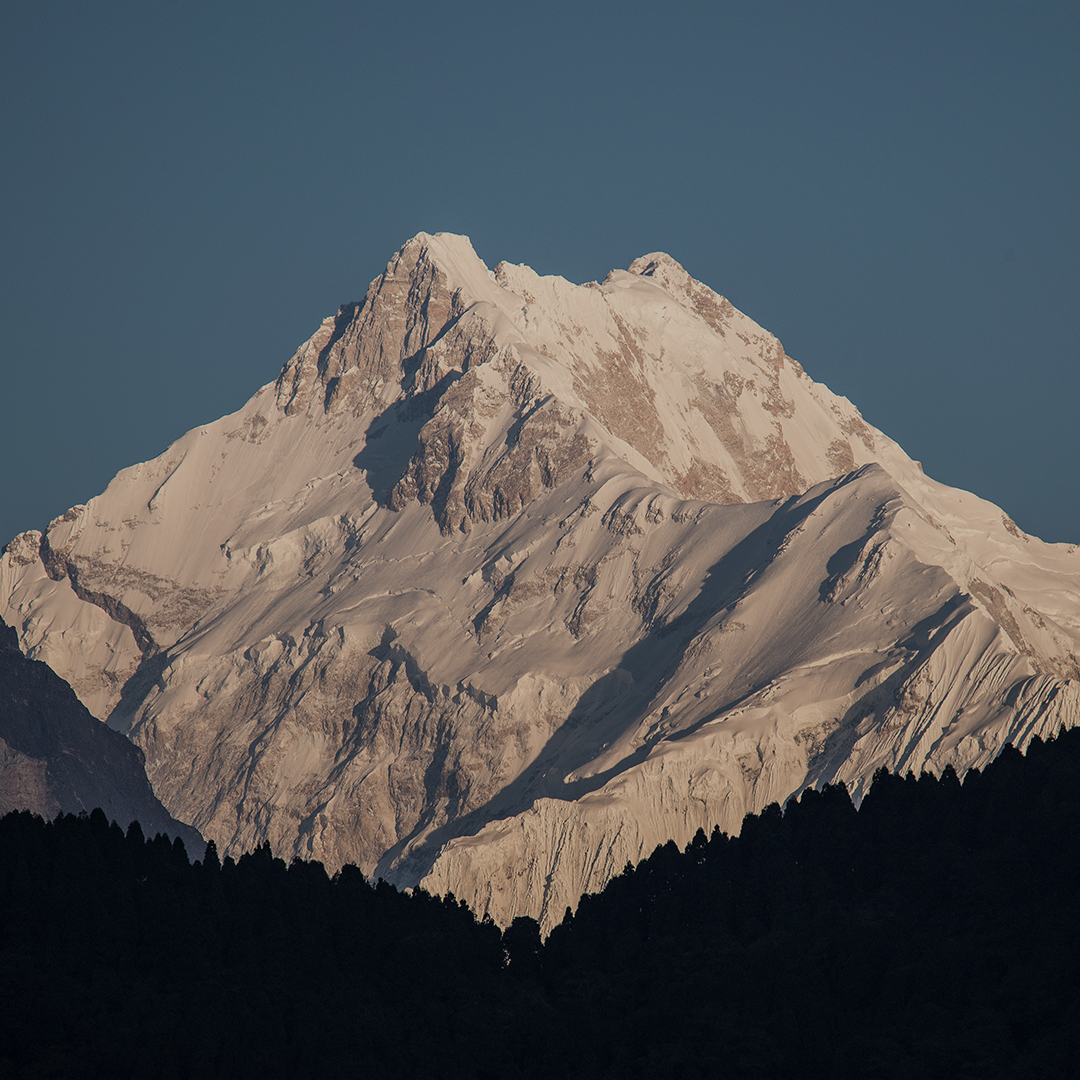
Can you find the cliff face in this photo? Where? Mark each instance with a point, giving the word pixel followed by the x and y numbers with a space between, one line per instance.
pixel 56 758
pixel 506 580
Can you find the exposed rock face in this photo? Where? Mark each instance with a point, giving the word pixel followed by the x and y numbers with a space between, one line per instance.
pixel 506 580
pixel 56 758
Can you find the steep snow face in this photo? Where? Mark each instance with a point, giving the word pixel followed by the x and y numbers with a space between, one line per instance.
pixel 506 580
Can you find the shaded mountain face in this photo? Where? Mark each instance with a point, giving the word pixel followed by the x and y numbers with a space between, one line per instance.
pixel 56 758
pixel 506 580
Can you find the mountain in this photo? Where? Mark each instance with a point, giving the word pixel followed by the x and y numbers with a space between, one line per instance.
pixel 505 580
pixel 56 758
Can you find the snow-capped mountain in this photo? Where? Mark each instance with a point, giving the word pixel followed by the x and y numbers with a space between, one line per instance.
pixel 506 580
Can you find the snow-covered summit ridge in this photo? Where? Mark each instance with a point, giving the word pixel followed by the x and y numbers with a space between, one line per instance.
pixel 693 393
pixel 657 358
pixel 505 580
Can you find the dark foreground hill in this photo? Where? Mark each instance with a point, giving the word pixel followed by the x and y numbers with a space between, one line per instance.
pixel 934 932
pixel 57 758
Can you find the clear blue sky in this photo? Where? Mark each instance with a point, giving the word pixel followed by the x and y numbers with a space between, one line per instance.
pixel 891 188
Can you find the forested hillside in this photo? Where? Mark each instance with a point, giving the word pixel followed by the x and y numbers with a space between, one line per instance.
pixel 934 932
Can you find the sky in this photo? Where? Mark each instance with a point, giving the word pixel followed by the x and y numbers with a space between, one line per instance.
pixel 187 189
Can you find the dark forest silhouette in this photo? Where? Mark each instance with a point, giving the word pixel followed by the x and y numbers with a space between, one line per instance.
pixel 934 932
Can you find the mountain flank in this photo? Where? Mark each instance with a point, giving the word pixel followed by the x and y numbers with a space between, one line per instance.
pixel 56 758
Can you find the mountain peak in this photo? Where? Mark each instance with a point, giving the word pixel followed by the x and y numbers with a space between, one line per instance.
pixel 660 265
pixel 703 301
pixel 453 254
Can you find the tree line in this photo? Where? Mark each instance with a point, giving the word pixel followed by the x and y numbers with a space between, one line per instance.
pixel 933 932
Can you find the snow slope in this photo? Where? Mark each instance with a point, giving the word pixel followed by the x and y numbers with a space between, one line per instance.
pixel 506 580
